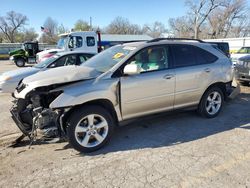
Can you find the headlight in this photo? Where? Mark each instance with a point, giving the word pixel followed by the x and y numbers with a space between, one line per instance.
pixel 11 58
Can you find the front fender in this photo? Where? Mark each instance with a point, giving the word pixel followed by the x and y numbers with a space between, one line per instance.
pixel 81 93
pixel 16 56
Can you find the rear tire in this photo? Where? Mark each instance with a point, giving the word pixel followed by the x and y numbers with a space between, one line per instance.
pixel 20 62
pixel 211 103
pixel 90 128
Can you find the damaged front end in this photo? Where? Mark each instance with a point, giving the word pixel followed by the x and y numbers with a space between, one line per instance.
pixel 33 116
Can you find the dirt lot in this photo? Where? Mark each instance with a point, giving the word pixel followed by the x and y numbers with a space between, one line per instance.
pixel 171 150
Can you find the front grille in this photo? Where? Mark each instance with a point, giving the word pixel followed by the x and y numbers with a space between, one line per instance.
pixel 246 64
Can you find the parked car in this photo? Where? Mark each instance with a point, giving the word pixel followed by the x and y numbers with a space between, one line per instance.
pixel 242 69
pixel 123 82
pixel 240 53
pixel 9 80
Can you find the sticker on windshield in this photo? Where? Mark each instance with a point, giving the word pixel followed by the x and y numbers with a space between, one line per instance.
pixel 129 48
pixel 118 55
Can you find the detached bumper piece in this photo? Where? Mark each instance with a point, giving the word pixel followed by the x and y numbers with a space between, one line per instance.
pixel 232 91
pixel 16 118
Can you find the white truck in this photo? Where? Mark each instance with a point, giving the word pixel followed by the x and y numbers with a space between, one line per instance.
pixel 87 41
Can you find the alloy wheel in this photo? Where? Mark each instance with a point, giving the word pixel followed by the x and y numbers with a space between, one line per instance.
pixel 91 130
pixel 213 103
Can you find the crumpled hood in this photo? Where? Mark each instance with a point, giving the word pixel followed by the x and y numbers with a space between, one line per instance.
pixel 58 75
pixel 61 75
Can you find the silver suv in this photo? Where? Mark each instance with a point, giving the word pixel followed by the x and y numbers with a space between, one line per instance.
pixel 85 103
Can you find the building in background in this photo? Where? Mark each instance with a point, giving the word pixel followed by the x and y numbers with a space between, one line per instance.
pixel 108 40
pixel 234 43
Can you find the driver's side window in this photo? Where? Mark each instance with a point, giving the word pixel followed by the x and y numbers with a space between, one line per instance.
pixel 75 42
pixel 151 59
pixel 64 61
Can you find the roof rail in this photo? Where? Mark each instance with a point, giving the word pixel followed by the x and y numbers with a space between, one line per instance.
pixel 159 39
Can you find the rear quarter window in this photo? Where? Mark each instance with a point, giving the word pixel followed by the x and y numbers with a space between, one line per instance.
pixel 90 41
pixel 204 57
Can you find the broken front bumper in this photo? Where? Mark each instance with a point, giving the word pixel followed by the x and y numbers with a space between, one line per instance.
pixel 16 118
pixel 232 89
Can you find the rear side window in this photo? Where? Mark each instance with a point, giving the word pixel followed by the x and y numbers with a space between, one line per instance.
pixel 184 55
pixel 90 41
pixel 204 57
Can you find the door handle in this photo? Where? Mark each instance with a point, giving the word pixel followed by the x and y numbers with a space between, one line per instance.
pixel 207 70
pixel 168 76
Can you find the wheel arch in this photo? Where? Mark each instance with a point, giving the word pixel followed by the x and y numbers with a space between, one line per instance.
pixel 220 85
pixel 104 103
pixel 19 56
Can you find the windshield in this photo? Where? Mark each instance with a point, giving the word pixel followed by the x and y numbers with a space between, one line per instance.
pixel 61 42
pixel 108 58
pixel 244 50
pixel 46 62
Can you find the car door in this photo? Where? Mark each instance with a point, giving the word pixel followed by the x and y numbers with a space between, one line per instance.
pixel 153 89
pixel 194 69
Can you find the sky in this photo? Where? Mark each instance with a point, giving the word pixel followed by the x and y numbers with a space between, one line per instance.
pixel 67 12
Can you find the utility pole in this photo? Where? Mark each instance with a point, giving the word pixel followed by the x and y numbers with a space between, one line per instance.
pixel 90 23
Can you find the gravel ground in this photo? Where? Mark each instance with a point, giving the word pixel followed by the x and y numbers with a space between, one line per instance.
pixel 169 150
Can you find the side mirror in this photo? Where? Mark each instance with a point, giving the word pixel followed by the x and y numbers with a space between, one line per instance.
pixel 132 69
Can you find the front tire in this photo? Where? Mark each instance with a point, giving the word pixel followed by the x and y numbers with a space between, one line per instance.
pixel 20 62
pixel 90 128
pixel 211 103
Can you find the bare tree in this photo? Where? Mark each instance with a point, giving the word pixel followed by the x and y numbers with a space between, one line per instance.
pixel 122 25
pixel 50 31
pixel 62 29
pixel 213 19
pixel 229 18
pixel 181 27
pixel 200 10
pixel 81 25
pixel 154 30
pixel 26 35
pixel 11 24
